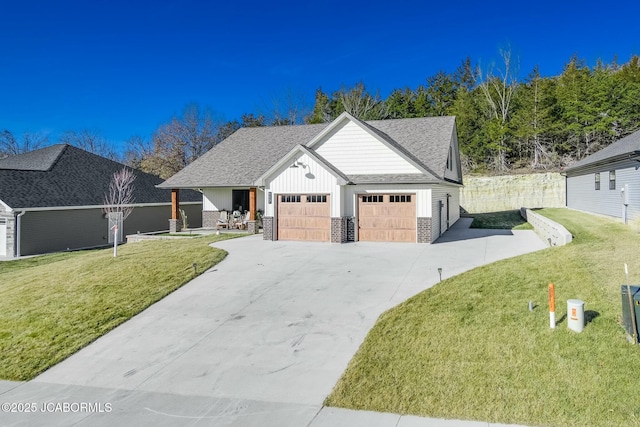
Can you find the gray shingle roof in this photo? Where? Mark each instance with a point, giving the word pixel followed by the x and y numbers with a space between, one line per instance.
pixel 627 145
pixel 243 157
pixel 37 160
pixel 63 175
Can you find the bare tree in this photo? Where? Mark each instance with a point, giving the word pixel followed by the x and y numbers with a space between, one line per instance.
pixel 287 108
pixel 137 150
pixel 362 105
pixel 179 142
pixel 118 201
pixel 12 146
pixel 498 91
pixel 90 141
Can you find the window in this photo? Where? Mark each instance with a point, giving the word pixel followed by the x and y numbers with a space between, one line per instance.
pixel 317 199
pixel 597 180
pixel 400 198
pixel 372 199
pixel 612 180
pixel 290 198
pixel 450 159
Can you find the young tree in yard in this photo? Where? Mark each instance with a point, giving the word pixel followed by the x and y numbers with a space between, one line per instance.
pixel 119 201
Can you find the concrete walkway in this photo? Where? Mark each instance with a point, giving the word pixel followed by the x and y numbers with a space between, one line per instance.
pixel 260 339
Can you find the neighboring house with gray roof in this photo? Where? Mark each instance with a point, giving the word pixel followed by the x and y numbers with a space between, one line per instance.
pixel 608 181
pixel 348 180
pixel 52 199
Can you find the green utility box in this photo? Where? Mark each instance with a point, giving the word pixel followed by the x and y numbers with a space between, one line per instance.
pixel 627 317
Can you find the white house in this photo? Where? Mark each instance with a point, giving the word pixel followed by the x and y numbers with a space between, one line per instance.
pixel 608 181
pixel 349 180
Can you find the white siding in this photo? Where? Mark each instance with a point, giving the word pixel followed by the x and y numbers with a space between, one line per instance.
pixel 3 237
pixel 582 195
pixel 355 152
pixel 455 171
pixel 310 179
pixel 439 225
pixel 217 199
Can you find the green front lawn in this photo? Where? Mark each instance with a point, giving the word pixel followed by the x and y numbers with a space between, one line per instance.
pixel 51 306
pixel 469 348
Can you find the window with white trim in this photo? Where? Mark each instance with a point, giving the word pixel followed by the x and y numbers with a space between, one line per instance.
pixel 597 180
pixel 612 180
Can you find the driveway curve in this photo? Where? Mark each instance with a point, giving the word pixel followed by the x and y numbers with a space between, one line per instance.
pixel 261 338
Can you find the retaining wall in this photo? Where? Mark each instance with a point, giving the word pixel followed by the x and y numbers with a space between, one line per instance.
pixel 510 192
pixel 551 232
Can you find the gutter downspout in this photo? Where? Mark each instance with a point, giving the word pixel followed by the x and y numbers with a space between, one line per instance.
pixel 17 235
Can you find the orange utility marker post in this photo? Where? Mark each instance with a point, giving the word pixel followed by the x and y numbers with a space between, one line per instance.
pixel 552 306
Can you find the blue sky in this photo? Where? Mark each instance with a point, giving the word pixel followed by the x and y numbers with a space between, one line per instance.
pixel 123 68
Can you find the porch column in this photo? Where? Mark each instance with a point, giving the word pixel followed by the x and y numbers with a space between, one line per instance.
pixel 175 203
pixel 174 222
pixel 252 204
pixel 252 224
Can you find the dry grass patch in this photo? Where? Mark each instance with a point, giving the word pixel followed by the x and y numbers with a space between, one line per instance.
pixel 53 305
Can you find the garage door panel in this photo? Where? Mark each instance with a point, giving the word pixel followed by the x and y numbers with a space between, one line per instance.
pixel 304 223
pixel 384 220
pixel 304 219
pixel 387 235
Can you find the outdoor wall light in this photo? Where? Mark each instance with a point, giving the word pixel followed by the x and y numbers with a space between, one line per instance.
pixel 297 163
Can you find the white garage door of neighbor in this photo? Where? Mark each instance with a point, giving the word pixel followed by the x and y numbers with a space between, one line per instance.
pixel 3 237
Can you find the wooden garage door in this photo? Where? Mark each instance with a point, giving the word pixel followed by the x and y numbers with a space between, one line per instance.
pixel 387 217
pixel 304 217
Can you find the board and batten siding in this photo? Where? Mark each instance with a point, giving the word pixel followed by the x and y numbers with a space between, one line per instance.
pixel 355 152
pixel 439 193
pixel 308 178
pixel 582 195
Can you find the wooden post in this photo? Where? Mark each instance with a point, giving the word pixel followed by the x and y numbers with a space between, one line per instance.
pixel 175 203
pixel 252 204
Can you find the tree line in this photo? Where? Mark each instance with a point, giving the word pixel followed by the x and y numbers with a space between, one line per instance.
pixel 504 124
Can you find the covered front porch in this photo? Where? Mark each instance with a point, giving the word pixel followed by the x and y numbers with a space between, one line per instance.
pixel 242 206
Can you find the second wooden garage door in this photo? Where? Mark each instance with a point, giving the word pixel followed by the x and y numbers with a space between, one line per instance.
pixel 304 217
pixel 387 217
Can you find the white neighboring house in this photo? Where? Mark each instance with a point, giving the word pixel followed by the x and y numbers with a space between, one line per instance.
pixel 348 180
pixel 608 181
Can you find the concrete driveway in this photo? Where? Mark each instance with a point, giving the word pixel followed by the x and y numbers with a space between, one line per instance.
pixel 260 339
